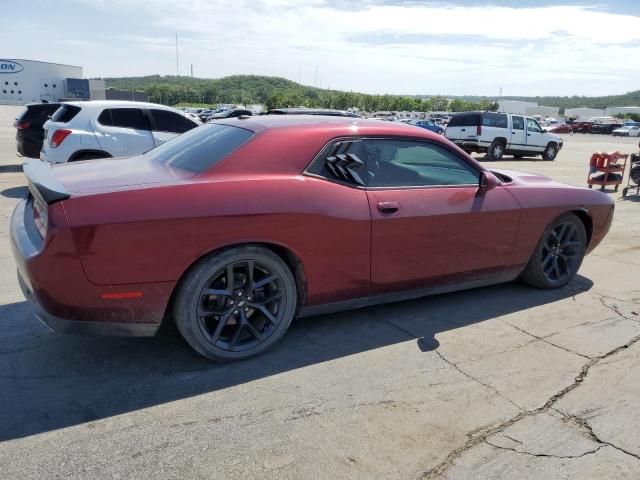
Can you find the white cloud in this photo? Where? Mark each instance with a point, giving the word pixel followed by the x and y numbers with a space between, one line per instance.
pixel 410 48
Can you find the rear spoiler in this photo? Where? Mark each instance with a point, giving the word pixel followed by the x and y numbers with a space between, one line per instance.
pixel 43 182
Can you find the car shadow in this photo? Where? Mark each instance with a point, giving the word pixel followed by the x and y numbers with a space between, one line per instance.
pixel 50 381
pixel 15 192
pixel 10 168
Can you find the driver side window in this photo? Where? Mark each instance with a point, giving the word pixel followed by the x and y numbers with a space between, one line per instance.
pixel 402 163
pixel 533 126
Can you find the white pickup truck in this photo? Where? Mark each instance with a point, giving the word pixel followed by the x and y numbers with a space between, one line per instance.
pixel 500 133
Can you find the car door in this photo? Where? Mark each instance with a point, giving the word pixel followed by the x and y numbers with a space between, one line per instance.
pixel 536 141
pixel 123 132
pixel 518 134
pixel 167 124
pixel 429 225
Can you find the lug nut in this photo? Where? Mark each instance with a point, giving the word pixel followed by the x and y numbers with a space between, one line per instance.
pixel 246 309
pixel 230 302
pixel 235 312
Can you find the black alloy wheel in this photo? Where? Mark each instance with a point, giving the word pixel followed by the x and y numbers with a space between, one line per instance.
pixel 561 253
pixel 236 304
pixel 241 305
pixel 558 255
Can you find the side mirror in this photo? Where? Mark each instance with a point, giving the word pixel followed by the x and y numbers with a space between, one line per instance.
pixel 488 181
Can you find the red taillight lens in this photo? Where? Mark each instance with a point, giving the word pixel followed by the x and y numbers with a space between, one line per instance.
pixel 58 137
pixel 40 216
pixel 479 130
pixel 22 125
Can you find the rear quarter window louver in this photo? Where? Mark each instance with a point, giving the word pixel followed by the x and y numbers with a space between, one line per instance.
pixel 343 165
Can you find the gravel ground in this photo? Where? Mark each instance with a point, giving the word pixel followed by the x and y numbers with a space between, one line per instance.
pixel 498 382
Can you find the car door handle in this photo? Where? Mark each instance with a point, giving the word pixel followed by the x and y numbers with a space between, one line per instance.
pixel 388 207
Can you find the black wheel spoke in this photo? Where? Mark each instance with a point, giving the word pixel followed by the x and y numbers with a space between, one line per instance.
pixel 221 324
pixel 265 311
pixel 251 329
pixel 214 291
pixel 571 244
pixel 250 267
pixel 236 335
pixel 265 281
pixel 230 277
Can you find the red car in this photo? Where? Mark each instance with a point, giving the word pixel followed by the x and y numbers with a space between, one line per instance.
pixel 559 128
pixel 234 228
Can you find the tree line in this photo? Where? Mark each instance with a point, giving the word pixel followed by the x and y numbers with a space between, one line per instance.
pixel 275 92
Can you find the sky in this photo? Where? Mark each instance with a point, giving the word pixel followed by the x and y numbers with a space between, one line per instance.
pixel 371 46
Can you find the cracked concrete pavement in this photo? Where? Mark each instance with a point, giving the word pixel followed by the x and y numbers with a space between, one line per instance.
pixel 498 382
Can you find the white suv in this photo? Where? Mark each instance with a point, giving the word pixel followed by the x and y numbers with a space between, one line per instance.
pixel 500 133
pixel 102 129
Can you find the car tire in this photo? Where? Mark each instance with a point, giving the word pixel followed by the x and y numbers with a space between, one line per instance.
pixel 550 152
pixel 496 150
pixel 256 314
pixel 558 255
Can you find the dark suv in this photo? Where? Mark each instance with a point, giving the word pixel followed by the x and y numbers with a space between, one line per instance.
pixel 30 134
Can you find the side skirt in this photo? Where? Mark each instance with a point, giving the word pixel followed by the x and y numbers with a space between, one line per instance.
pixel 363 302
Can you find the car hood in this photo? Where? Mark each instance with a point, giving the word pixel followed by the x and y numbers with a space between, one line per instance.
pixel 510 177
pixel 109 174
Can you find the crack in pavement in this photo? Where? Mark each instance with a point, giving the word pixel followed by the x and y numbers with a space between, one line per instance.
pixel 548 455
pixel 544 339
pixel 440 468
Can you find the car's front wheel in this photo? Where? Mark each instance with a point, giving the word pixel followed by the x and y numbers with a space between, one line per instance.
pixel 558 255
pixel 236 303
pixel 550 152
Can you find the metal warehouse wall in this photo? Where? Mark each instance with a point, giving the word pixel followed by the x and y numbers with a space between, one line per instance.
pixel 32 81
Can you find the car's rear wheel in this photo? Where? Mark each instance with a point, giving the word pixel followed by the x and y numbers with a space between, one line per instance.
pixel 496 150
pixel 550 152
pixel 558 255
pixel 236 303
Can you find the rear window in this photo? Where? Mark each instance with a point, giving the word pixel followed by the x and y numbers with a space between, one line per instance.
pixel 200 148
pixel 38 113
pixel 166 121
pixel 65 113
pixel 498 120
pixel 470 119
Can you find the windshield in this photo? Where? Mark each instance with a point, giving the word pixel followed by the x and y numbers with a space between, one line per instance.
pixel 199 149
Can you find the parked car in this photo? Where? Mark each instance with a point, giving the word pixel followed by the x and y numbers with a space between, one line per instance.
pixel 232 113
pixel 559 128
pixel 604 128
pixel 429 125
pixel 312 111
pixel 500 133
pixel 103 129
pixel 238 226
pixel 627 131
pixel 582 127
pixel 29 131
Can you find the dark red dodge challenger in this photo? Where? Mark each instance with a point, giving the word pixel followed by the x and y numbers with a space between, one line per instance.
pixel 235 228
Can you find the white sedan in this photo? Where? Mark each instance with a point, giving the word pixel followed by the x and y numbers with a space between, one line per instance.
pixel 627 131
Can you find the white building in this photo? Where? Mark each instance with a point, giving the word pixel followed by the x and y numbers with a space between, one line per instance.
pixel 27 81
pixel 514 106
pixel 546 112
pixel 611 111
pixel 583 112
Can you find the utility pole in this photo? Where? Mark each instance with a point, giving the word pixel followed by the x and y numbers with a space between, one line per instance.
pixel 315 81
pixel 192 70
pixel 298 72
pixel 177 64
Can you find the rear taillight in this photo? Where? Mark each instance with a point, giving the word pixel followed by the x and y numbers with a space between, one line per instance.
pixel 479 130
pixel 58 137
pixel 40 216
pixel 22 125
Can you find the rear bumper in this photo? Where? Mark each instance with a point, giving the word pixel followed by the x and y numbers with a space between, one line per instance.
pixel 60 295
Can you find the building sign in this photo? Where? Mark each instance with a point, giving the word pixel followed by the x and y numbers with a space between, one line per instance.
pixel 7 66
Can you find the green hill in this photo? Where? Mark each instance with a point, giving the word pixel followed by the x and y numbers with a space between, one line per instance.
pixel 280 92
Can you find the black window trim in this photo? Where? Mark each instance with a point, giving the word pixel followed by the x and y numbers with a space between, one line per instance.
pixel 322 154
